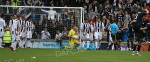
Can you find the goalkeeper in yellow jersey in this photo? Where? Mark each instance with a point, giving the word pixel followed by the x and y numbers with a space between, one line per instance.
pixel 73 38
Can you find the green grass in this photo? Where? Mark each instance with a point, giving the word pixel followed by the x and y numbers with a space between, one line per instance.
pixel 57 55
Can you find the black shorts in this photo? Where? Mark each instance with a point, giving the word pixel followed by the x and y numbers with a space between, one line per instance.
pixel 7 45
pixel 148 35
pixel 138 37
pixel 113 37
pixel 131 35
pixel 118 37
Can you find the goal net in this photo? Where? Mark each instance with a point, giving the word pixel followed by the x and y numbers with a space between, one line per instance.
pixel 51 18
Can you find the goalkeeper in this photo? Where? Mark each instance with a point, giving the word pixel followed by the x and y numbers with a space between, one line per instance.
pixel 73 38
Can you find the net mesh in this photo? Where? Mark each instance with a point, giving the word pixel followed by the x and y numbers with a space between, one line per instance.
pixel 52 18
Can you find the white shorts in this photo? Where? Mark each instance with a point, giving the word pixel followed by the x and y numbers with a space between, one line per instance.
pixel 98 35
pixel 18 37
pixel 23 34
pixel 1 32
pixel 83 37
pixel 110 38
pixel 29 34
pixel 89 36
pixel 13 38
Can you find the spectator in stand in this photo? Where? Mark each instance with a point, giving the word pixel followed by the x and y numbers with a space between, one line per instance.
pixel 91 14
pixel 60 3
pixel 35 2
pixel 94 6
pixel 86 15
pixel 28 3
pixel 38 28
pixel 86 4
pixel 128 6
pixel 72 3
pixel 120 19
pixel 51 13
pixel 79 3
pixel 53 29
pixel 3 2
pixel 7 8
pixel 42 14
pixel 59 26
pixel 45 22
pixel 127 18
pixel 14 3
pixel 100 8
pixel 40 3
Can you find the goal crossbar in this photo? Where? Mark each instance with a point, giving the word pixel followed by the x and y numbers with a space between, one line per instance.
pixel 43 7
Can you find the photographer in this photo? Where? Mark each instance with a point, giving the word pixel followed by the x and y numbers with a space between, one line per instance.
pixel 58 39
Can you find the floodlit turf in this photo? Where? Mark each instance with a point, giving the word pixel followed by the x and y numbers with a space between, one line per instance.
pixel 57 55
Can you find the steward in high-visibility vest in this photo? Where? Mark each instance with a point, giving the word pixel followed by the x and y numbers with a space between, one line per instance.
pixel 7 38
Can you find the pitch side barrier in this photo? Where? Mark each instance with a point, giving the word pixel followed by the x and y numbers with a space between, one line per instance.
pixel 51 43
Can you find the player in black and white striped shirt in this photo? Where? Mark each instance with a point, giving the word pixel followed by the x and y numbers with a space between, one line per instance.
pixel 14 26
pixel 22 26
pixel 2 25
pixel 84 29
pixel 99 28
pixel 90 35
pixel 28 32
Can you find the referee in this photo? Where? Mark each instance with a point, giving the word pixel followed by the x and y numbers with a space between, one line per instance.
pixel 114 29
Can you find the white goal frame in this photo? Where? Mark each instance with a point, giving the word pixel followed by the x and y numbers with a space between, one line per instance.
pixel 81 8
pixel 78 8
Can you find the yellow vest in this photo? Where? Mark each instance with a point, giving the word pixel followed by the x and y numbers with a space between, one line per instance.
pixel 7 37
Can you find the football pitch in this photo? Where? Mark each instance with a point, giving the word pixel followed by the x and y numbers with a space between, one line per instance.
pixel 68 55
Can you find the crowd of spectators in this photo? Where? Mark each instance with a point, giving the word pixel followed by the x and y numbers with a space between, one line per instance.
pixel 122 11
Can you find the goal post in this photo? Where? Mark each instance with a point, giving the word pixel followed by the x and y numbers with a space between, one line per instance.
pixel 65 15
